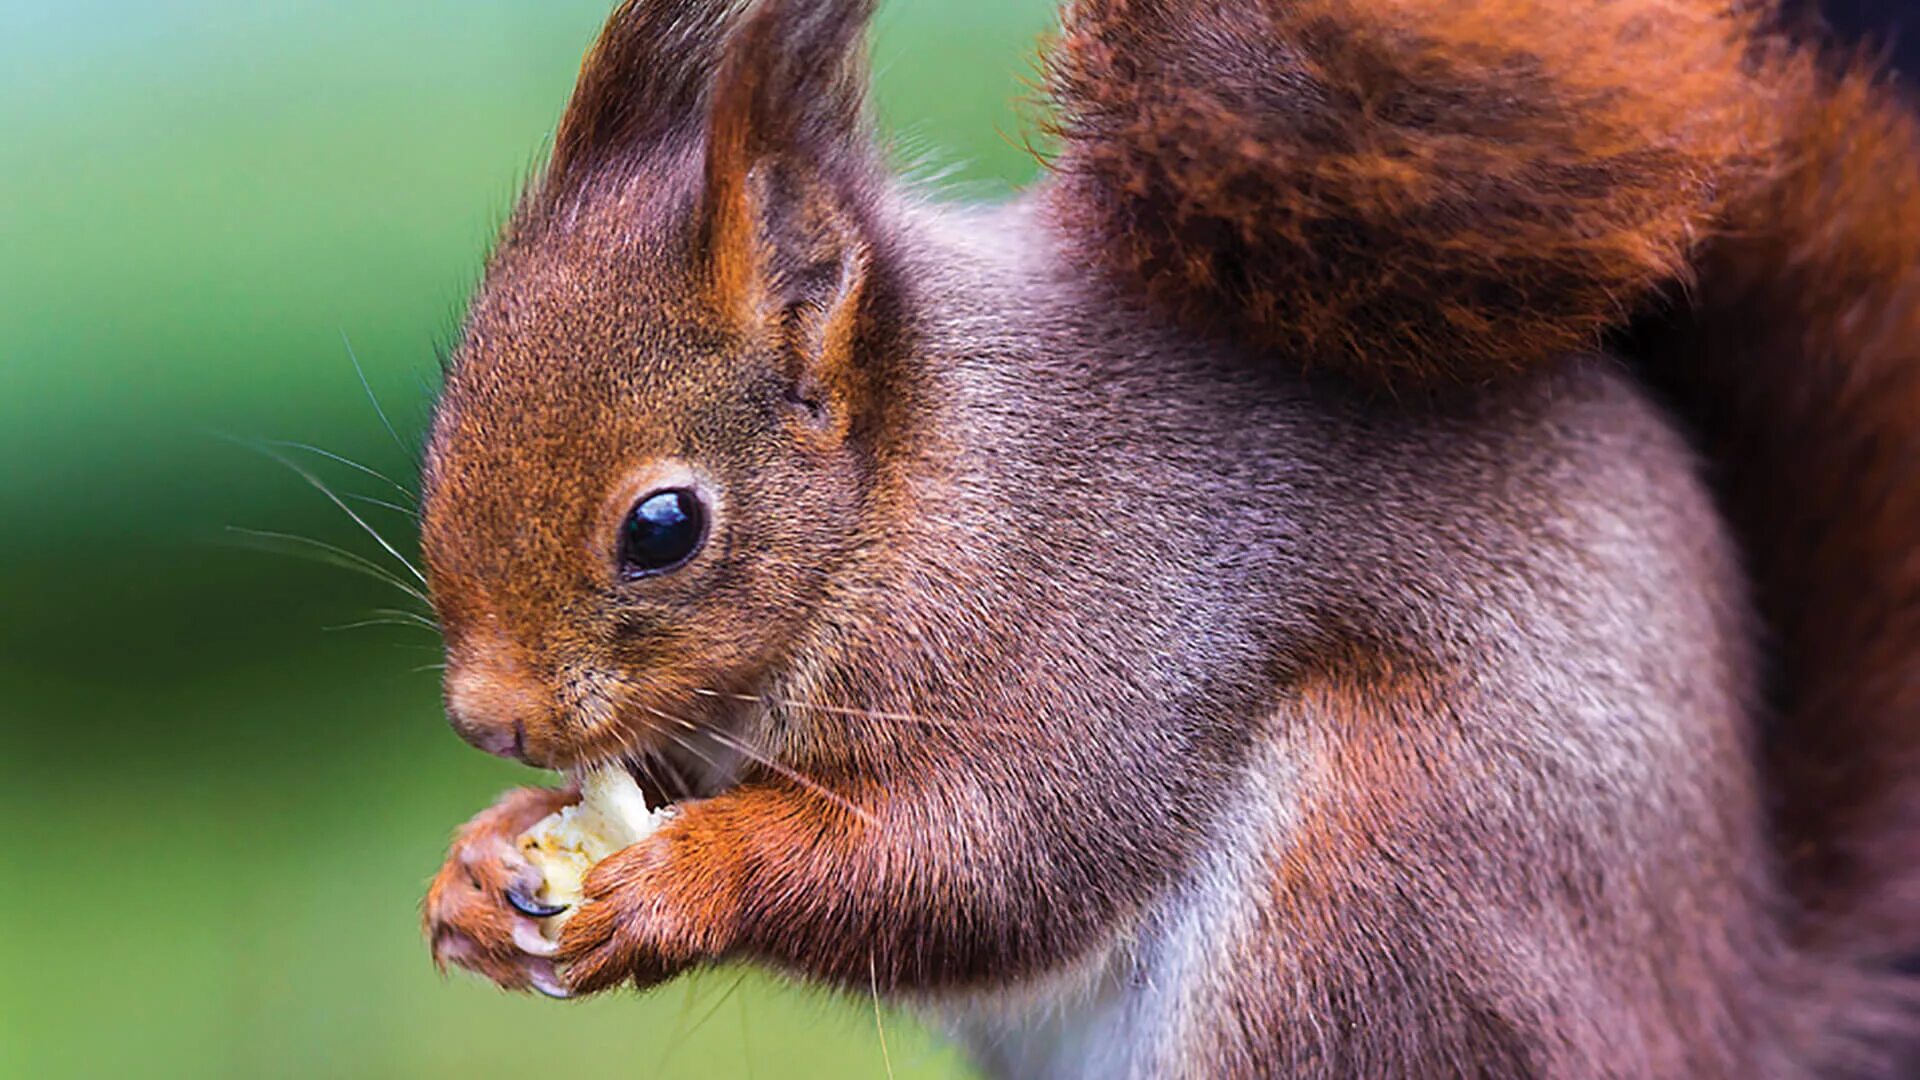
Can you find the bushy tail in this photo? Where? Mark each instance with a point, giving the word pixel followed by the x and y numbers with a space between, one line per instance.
pixel 1798 360
pixel 1399 188
pixel 1419 190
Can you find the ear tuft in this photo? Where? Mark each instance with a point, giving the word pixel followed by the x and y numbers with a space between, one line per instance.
pixel 789 153
pixel 792 81
pixel 644 82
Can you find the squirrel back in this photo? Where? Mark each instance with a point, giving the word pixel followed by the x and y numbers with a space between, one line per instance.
pixel 1417 194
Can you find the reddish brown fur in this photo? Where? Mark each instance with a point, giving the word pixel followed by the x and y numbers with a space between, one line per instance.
pixel 1401 861
pixel 1422 192
pixel 1400 189
pixel 645 82
pixel 464 919
pixel 1799 358
pixel 1045 635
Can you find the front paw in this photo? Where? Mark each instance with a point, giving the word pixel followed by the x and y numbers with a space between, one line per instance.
pixel 480 913
pixel 647 917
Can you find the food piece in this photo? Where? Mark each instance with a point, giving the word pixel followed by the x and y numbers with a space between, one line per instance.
pixel 611 815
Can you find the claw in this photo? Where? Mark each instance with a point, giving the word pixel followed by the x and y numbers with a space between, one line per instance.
pixel 543 979
pixel 531 908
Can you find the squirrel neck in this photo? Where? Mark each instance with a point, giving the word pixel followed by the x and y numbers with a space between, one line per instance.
pixel 1003 518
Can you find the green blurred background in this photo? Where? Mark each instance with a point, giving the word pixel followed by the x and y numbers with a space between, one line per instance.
pixel 219 815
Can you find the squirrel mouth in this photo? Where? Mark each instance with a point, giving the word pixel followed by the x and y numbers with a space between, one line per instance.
pixel 653 788
pixel 676 774
pixel 674 752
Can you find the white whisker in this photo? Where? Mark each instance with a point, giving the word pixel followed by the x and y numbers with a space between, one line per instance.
pixel 786 771
pixel 366 623
pixel 873 983
pixel 385 504
pixel 371 396
pixel 682 742
pixel 321 551
pixel 320 486
pixel 696 988
pixel 348 462
pixel 411 616
pixel 646 760
pixel 862 714
pixel 724 998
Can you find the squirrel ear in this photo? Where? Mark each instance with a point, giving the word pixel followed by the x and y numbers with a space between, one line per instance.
pixel 788 149
pixel 645 81
pixel 825 378
pixel 789 170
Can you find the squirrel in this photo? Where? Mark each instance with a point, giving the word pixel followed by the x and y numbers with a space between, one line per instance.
pixel 1398 556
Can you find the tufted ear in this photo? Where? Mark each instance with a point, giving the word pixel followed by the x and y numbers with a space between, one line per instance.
pixel 645 81
pixel 790 173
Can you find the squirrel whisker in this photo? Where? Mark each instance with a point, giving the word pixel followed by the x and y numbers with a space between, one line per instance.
pixel 372 397
pixel 365 623
pixel 748 751
pixel 424 621
pixel 864 714
pixel 682 741
pixel 321 486
pixel 682 1031
pixel 646 762
pixel 332 555
pixel 409 512
pixel 409 493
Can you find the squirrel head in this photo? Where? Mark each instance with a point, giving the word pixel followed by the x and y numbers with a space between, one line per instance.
pixel 655 434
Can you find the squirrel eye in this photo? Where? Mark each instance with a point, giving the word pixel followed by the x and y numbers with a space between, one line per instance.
pixel 662 531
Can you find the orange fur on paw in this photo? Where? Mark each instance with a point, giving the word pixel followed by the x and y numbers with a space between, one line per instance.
pixel 653 910
pixel 468 921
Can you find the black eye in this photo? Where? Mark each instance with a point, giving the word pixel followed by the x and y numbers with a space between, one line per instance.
pixel 662 532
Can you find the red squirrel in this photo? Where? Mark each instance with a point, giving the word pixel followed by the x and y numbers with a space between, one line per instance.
pixel 1398 556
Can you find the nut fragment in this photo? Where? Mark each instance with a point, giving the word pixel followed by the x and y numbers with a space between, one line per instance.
pixel 612 814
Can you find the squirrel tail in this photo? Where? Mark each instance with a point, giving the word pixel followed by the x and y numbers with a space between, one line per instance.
pixel 1408 191
pixel 1797 360
pixel 1399 190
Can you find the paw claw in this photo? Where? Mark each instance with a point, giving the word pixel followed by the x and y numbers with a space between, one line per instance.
pixel 542 978
pixel 519 896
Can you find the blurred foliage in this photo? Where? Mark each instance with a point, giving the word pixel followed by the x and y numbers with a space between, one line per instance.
pixel 221 815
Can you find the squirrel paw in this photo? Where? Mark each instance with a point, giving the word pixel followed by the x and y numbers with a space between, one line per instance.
pixel 480 913
pixel 645 919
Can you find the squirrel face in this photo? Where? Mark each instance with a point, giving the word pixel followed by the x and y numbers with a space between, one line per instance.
pixel 637 485
pixel 655 445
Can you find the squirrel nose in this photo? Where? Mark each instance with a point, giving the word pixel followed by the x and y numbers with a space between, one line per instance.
pixel 503 742
pixel 489 708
